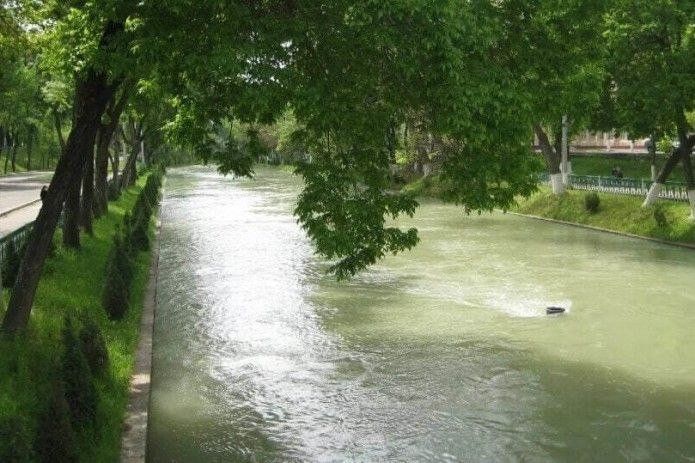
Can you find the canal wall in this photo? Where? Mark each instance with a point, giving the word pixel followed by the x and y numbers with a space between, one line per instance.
pixel 134 438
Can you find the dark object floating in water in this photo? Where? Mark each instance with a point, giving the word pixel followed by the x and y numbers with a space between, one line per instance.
pixel 554 310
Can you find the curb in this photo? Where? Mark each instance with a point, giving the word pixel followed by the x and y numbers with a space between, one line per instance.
pixel 134 437
pixel 606 230
pixel 16 208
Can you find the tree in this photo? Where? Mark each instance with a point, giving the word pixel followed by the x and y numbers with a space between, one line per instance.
pixel 92 92
pixel 107 128
pixel 555 45
pixel 652 45
pixel 350 71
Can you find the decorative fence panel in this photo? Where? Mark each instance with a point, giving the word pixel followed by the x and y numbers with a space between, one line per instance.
pixel 19 236
pixel 676 191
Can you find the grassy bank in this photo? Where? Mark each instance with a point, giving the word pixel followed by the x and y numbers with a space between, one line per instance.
pixel 634 167
pixel 619 213
pixel 616 212
pixel 72 283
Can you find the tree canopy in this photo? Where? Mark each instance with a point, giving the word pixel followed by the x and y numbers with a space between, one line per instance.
pixel 340 79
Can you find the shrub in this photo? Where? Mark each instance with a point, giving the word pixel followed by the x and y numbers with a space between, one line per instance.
pixel 142 207
pixel 592 202
pixel 118 274
pixel 11 263
pixel 151 189
pixel 94 347
pixel 120 256
pixel 15 440
pixel 80 393
pixel 55 439
pixel 660 216
pixel 139 237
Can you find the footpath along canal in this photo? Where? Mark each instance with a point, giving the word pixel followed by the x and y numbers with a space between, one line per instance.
pixel 443 353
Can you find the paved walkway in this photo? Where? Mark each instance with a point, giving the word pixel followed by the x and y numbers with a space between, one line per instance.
pixel 18 199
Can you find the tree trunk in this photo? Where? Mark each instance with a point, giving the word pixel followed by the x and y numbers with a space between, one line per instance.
pixel 6 148
pixel 101 197
pixel 15 147
pixel 661 178
pixel 71 219
pixel 116 161
pixel 30 143
pixel 59 130
pixel 564 150
pixel 552 159
pixel 651 149
pixel 682 153
pixel 87 216
pixel 689 180
pixel 129 172
pixel 91 95
pixel 104 137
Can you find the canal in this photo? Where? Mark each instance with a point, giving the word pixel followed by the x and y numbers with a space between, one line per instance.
pixel 442 353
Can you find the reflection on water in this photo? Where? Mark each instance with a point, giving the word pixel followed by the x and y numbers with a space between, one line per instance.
pixel 443 353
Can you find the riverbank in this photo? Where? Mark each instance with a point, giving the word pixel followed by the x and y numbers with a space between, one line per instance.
pixel 616 213
pixel 72 283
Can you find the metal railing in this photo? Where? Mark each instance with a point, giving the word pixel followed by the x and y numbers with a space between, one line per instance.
pixel 19 236
pixel 16 237
pixel 676 191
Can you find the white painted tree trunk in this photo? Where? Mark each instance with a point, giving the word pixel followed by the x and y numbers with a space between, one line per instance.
pixel 653 173
pixel 653 194
pixel 691 200
pixel 557 184
pixel 426 169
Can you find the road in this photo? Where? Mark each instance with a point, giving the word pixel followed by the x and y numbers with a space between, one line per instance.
pixel 17 191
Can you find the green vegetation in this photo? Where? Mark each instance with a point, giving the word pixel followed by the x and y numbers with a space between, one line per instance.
pixel 460 92
pixel 30 366
pixel 592 202
pixel 632 167
pixel 429 187
pixel 667 220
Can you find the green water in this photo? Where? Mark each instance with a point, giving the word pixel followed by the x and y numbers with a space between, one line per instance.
pixel 443 353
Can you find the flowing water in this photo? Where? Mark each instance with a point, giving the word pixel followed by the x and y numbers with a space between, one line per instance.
pixel 442 353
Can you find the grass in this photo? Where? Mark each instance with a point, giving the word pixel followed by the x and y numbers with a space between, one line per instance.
pixel 424 187
pixel 633 167
pixel 72 283
pixel 616 212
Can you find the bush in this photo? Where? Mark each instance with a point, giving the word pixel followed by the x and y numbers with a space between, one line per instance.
pixel 80 393
pixel 139 237
pixel 660 216
pixel 15 440
pixel 142 206
pixel 55 441
pixel 120 256
pixel 118 275
pixel 94 347
pixel 151 189
pixel 592 202
pixel 11 263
